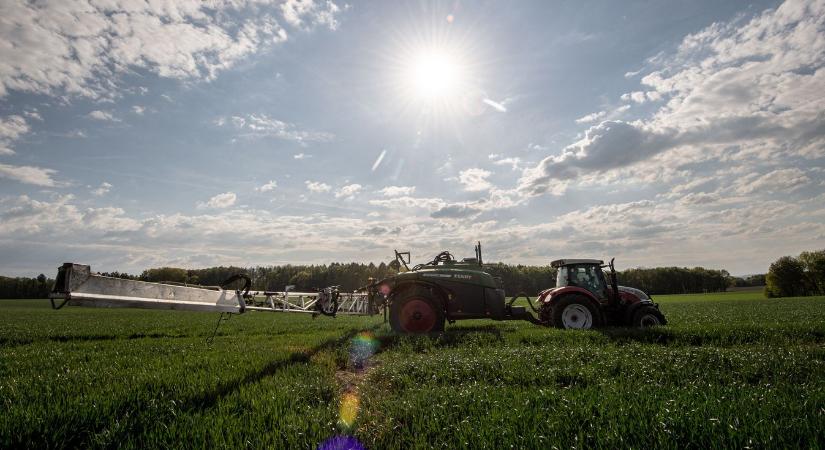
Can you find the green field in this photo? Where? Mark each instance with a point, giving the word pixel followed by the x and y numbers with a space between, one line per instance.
pixel 731 370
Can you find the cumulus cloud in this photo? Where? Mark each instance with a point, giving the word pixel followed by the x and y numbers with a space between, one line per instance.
pixel 26 216
pixel 37 176
pixel 739 93
pixel 102 190
pixel 76 46
pixel 500 160
pixel 272 184
pixel 396 191
pixel 642 97
pixel 349 191
pixel 224 200
pixel 475 179
pixel 309 13
pixel 139 110
pixel 317 186
pixel 258 126
pixel 592 117
pixel 105 116
pixel 608 145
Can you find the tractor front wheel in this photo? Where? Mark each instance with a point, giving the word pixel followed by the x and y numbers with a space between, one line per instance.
pixel 575 312
pixel 648 316
pixel 416 312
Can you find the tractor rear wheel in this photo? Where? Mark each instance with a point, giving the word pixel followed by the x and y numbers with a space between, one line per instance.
pixel 416 311
pixel 575 312
pixel 648 316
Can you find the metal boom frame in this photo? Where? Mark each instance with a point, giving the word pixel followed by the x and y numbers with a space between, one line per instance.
pixel 76 285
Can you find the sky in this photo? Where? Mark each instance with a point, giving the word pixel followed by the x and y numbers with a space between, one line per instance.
pixel 252 132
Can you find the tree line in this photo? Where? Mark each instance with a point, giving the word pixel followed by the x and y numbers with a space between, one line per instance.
pixel 797 276
pixel 349 276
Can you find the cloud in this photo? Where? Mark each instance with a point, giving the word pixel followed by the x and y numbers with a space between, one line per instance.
pixel 27 216
pixel 406 202
pixel 780 180
pixel 499 160
pixel 455 211
pixel 272 184
pixel 700 198
pixel 475 179
pixel 642 97
pixel 608 145
pixel 79 48
pixel 258 126
pixel 103 116
pixel 592 117
pixel 317 186
pixel 219 201
pixel 308 13
pixel 37 176
pixel 139 110
pixel 349 191
pixel 11 128
pixel 301 156
pixel 396 191
pixel 33 114
pixel 738 95
pixel 102 190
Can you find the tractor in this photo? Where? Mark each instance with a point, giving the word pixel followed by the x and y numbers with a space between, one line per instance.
pixel 422 298
pixel 585 298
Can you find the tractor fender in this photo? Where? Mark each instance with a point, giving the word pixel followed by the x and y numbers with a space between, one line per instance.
pixel 553 296
pixel 633 307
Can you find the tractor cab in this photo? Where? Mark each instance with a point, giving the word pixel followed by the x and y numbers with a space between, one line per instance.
pixel 587 274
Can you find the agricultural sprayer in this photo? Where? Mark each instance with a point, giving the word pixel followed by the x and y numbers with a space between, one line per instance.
pixel 416 300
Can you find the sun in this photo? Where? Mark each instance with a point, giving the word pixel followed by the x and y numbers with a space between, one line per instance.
pixel 435 74
pixel 434 78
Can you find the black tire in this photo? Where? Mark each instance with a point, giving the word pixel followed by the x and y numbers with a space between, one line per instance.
pixel 648 316
pixel 416 311
pixel 330 308
pixel 575 311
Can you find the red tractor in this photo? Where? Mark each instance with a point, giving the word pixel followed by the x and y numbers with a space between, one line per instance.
pixel 585 297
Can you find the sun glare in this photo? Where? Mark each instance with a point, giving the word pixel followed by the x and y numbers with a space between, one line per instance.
pixel 435 78
pixel 434 75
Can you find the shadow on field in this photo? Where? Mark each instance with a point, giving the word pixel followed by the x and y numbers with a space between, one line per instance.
pixel 656 335
pixel 208 399
pixel 14 341
pixel 451 337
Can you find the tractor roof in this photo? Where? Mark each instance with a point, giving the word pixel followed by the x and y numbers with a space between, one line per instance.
pixel 566 262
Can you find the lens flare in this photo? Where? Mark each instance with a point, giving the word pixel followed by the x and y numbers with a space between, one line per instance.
pixel 361 349
pixel 341 443
pixel 348 411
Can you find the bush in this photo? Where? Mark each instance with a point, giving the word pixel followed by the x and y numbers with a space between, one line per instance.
pixel 785 278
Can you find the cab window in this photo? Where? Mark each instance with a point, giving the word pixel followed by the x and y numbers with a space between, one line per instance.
pixel 588 277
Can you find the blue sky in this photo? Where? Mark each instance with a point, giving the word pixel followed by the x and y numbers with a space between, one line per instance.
pixel 194 134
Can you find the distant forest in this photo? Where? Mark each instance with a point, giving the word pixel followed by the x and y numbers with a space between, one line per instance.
pixel 517 278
